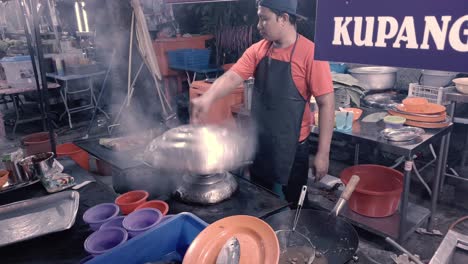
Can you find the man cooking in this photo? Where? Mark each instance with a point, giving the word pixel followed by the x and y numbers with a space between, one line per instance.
pixel 286 76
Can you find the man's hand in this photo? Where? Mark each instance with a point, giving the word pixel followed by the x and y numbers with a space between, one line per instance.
pixel 199 107
pixel 320 167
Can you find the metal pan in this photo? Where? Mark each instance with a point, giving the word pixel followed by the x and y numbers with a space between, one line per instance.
pixel 36 217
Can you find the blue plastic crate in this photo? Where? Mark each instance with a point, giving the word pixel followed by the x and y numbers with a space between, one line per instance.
pixel 184 59
pixel 168 241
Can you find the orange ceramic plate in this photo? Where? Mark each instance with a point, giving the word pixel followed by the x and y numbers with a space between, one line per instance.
pixel 427 125
pixel 430 109
pixel 258 241
pixel 433 118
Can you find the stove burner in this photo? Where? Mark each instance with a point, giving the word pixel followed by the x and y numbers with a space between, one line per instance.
pixel 206 189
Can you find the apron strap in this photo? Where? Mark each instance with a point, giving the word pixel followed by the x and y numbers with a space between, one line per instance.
pixel 269 51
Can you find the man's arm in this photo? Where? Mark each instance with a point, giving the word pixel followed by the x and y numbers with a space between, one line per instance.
pixel 224 85
pixel 326 105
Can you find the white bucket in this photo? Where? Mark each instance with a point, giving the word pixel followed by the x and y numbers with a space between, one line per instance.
pixel 436 78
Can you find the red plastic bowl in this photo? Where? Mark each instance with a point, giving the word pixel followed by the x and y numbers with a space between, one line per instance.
pixel 129 201
pixel 156 204
pixel 378 192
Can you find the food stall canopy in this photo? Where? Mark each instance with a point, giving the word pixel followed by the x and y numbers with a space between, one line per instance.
pixel 194 1
pixel 424 34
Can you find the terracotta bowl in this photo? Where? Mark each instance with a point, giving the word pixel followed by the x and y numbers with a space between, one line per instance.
pixel 156 204
pixel 356 113
pixel 3 177
pixel 129 201
pixel 415 104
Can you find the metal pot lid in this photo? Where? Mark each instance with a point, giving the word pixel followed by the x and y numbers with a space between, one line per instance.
pixel 200 149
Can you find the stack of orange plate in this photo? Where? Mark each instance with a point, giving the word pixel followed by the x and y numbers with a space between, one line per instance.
pixel 420 113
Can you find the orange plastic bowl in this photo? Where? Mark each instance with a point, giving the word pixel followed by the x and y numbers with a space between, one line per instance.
pixel 356 112
pixel 4 174
pixel 129 201
pixel 156 204
pixel 415 104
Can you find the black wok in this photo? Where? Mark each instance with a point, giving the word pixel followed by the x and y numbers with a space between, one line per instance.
pixel 332 236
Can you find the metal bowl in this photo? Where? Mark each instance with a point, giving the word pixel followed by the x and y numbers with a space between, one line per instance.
pixel 199 150
pixel 375 78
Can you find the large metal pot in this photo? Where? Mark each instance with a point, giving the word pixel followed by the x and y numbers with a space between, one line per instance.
pixel 200 150
pixel 375 78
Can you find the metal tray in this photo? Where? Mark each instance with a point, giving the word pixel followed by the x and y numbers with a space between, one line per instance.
pixel 36 217
pixel 402 134
pixel 18 186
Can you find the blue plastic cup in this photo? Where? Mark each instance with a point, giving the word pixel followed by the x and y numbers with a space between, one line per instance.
pixel 349 121
pixel 340 119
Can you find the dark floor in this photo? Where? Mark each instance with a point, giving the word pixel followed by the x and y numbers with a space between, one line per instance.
pixel 453 200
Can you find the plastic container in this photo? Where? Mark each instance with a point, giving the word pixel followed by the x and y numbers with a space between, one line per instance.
pixel 394 122
pixel 167 241
pixel 378 192
pixel 435 95
pixel 18 70
pixel 415 104
pixel 189 58
pixel 75 153
pixel 141 221
pixel 100 214
pixel 37 143
pixel 129 201
pixel 338 67
pixel 104 240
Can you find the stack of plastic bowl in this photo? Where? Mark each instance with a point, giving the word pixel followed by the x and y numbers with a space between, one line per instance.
pixel 111 229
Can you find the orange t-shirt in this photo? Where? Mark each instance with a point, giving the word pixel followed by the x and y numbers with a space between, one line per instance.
pixel 312 77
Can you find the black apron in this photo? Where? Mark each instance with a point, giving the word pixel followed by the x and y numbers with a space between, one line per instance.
pixel 277 109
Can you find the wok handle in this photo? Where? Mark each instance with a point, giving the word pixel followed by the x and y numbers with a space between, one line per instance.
pixel 353 182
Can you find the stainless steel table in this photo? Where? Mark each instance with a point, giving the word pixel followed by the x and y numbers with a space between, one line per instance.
pixel 14 92
pixel 456 98
pixel 65 92
pixel 410 216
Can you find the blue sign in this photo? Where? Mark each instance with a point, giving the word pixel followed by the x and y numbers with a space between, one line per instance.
pixel 423 34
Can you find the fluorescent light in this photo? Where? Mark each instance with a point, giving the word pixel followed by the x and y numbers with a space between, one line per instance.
pixel 85 16
pixel 78 17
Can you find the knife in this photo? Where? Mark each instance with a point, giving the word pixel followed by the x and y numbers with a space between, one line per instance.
pixel 230 252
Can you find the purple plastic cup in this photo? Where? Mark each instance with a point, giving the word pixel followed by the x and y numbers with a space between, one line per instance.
pixel 114 222
pixel 104 240
pixel 100 214
pixel 141 221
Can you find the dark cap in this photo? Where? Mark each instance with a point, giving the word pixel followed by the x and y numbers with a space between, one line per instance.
pixel 287 6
